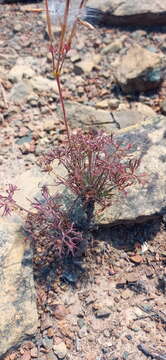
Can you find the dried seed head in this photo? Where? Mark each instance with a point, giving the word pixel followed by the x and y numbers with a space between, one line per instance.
pixel 57 10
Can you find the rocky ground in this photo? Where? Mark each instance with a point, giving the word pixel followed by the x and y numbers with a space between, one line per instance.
pixel 111 306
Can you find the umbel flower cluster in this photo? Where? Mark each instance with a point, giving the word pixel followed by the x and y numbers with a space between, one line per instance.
pixel 97 165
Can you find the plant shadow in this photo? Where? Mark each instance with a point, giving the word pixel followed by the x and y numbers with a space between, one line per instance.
pixel 71 270
pixel 126 234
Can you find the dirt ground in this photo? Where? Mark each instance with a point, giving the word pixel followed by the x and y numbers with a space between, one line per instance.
pixel 110 304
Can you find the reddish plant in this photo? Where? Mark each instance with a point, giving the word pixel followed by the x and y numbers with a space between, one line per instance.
pixel 96 166
pixel 54 224
pixel 49 220
pixel 7 202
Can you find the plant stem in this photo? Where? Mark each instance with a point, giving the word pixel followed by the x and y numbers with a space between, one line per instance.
pixel 63 107
pixel 50 33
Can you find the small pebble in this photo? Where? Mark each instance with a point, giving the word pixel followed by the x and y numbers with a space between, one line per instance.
pixel 60 350
pixel 129 337
pixel 47 343
pixel 17 28
pixel 34 353
pixel 103 313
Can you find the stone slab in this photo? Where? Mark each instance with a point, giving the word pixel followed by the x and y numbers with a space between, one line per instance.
pixel 127 12
pixel 18 312
pixel 148 141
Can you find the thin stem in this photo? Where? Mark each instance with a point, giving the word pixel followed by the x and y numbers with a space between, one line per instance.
pixel 74 28
pixel 61 65
pixel 63 107
pixel 50 33
pixel 48 20
pixel 63 33
pixel 58 66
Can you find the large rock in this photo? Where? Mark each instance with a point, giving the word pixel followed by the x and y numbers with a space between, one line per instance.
pixel 85 116
pixel 127 12
pixel 142 202
pixel 139 70
pixel 18 313
pixel 126 118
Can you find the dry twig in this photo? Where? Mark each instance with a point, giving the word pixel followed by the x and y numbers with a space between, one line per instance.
pixel 152 353
pixel 158 316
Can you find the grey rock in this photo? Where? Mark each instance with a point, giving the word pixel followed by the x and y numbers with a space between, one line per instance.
pixel 77 344
pixel 85 116
pixel 114 103
pixel 40 84
pixel 115 46
pixel 33 100
pixel 82 332
pixel 18 72
pixel 33 180
pixel 20 91
pixel 18 313
pixel 103 104
pixel 17 28
pixel 138 34
pixel 87 65
pixel 74 56
pixel 60 350
pixel 138 70
pixel 127 12
pixel 148 141
pixel 103 313
pixel 144 109
pixel 80 323
pixel 47 342
pixel 126 118
pixel 152 48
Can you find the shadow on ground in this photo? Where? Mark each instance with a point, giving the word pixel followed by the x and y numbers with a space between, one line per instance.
pixel 125 235
pixel 121 237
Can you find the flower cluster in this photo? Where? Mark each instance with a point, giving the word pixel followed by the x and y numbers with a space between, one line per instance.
pixel 7 203
pixel 54 224
pixel 51 221
pixel 96 166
